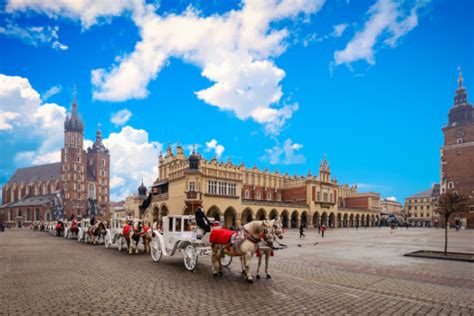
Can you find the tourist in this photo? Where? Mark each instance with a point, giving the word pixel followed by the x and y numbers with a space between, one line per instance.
pixel 323 229
pixel 302 231
pixel 319 229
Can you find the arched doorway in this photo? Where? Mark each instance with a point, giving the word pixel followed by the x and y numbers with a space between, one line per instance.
pixel 229 218
pixel 273 214
pixel 247 216
pixel 156 214
pixel 214 212
pixel 324 219
pixel 372 221
pixel 339 220
pixel 362 220
pixel 377 219
pixel 261 215
pixel 187 211
pixel 332 220
pixel 163 211
pixel 284 219
pixel 316 219
pixel 357 220
pixel 304 218
pixel 351 220
pixel 345 220
pixel 294 219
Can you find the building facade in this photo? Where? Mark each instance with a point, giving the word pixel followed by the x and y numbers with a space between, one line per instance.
pixel 423 207
pixel 236 194
pixel 457 153
pixel 78 184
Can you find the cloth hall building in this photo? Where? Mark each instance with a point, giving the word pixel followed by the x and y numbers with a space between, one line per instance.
pixel 236 194
pixel 78 184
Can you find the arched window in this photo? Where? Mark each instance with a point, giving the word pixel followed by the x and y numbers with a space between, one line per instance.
pixel 10 216
pixel 91 193
pixel 37 214
pixel 103 162
pixel 28 215
pixel 20 213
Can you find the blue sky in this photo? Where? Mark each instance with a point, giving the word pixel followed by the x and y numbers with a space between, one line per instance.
pixel 369 83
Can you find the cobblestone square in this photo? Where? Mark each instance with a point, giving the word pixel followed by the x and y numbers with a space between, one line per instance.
pixel 346 272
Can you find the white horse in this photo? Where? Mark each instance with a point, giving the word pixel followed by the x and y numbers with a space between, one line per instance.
pixel 244 246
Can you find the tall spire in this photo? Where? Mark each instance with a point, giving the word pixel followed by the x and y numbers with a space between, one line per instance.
pixel 74 103
pixel 460 78
pixel 74 123
pixel 98 134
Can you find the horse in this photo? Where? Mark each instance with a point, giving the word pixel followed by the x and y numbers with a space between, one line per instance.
pixel 147 238
pixel 265 250
pixel 134 232
pixel 244 245
pixel 59 228
pixel 96 232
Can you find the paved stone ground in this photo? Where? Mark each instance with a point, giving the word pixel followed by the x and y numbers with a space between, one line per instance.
pixel 346 272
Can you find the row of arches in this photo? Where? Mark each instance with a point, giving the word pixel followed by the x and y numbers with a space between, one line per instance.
pixel 290 219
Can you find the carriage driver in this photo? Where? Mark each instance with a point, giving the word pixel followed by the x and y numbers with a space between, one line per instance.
pixel 202 221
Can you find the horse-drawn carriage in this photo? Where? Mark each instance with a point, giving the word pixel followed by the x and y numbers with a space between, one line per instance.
pixel 114 233
pixel 83 228
pixel 179 234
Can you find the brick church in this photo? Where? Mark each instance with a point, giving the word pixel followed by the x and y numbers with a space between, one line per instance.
pixel 457 153
pixel 78 184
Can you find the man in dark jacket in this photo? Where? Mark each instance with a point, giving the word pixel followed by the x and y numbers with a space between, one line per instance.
pixel 201 220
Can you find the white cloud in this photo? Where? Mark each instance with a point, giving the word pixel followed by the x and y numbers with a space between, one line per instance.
pixel 339 29
pixel 284 155
pixel 386 18
pixel 133 157
pixel 87 11
pixel 213 145
pixel 50 92
pixel 392 198
pixel 35 35
pixel 121 117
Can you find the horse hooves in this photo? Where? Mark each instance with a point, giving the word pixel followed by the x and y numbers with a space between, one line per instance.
pixel 215 274
pixel 250 281
pixel 269 276
pixel 258 276
pixel 220 273
pixel 243 272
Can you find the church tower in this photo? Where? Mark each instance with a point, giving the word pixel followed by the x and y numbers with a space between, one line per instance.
pixel 457 153
pixel 98 175
pixel 73 164
pixel 324 170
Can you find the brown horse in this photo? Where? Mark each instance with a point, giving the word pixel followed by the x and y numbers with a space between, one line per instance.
pixel 134 232
pixel 244 246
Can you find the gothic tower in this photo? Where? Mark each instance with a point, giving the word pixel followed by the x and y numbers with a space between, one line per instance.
pixel 98 175
pixel 73 164
pixel 324 171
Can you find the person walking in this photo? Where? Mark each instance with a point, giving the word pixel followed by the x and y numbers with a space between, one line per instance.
pixel 302 230
pixel 319 229
pixel 323 229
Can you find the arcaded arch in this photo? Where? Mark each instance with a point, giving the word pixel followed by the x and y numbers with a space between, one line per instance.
pixel 316 219
pixel 214 212
pixel 261 215
pixel 345 220
pixel 332 220
pixel 339 220
pixel 273 214
pixel 294 219
pixel 362 220
pixel 285 218
pixel 357 220
pixel 304 218
pixel 351 220
pixel 156 214
pixel 247 216
pixel 325 219
pixel 230 216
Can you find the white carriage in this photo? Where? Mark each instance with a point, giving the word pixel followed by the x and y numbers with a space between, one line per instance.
pixel 114 233
pixel 83 228
pixel 180 234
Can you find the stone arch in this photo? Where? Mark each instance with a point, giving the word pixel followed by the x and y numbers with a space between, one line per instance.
pixel 247 216
pixel 377 220
pixel 261 215
pixel 214 212
pixel 351 220
pixel 285 218
pixel 230 216
pixel 339 220
pixel 273 214
pixel 345 220
pixel 362 220
pixel 357 220
pixel 156 214
pixel 367 220
pixel 163 211
pixel 187 210
pixel 332 220
pixel 294 219
pixel 316 219
pixel 304 218
pixel 325 219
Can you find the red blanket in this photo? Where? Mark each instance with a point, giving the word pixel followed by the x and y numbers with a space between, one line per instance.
pixel 221 236
pixel 126 230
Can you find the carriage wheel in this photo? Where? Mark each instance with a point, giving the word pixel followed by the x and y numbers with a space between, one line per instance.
pixel 190 257
pixel 155 250
pixel 107 240
pixel 226 260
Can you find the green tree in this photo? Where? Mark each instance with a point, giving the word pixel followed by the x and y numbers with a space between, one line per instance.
pixel 450 203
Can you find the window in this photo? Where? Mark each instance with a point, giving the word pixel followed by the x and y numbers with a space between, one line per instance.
pixel 20 213
pixel 192 186
pixel 221 188
pixel 325 196
pixel 269 196
pixel 318 198
pixel 91 162
pixel 37 214
pixel 258 196
pixel 459 140
pixel 28 215
pixel 78 158
pixel 421 207
pixel 247 194
pixel 450 185
pixel 212 187
pixel 10 216
pixel 232 189
pixel 416 207
pixel 103 162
